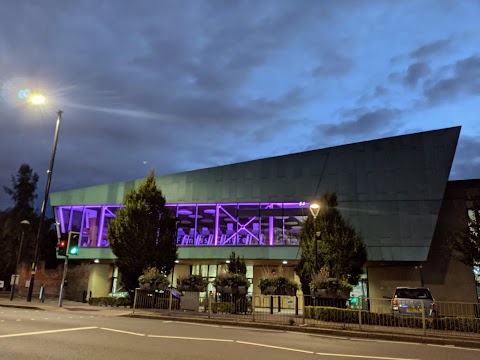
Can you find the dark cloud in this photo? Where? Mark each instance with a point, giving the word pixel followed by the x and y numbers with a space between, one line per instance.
pixel 364 123
pixel 175 86
pixel 416 72
pixel 464 81
pixel 380 91
pixel 432 48
pixel 333 64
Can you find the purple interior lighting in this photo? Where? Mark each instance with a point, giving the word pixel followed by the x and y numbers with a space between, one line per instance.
pixel 203 223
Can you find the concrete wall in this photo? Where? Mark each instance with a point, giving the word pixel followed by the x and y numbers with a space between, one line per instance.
pixel 447 278
pixel 100 280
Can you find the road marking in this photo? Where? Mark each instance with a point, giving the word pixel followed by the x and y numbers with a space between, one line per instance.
pixel 19 319
pixel 124 332
pixel 167 321
pixel 364 356
pixel 454 347
pixel 48 332
pixel 32 319
pixel 188 338
pixel 275 347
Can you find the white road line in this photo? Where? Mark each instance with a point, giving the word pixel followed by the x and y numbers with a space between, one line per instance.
pixel 121 331
pixel 364 356
pixel 275 347
pixel 167 321
pixel 188 338
pixel 454 347
pixel 48 332
pixel 19 319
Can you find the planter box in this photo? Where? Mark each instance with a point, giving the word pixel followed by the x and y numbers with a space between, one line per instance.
pixel 148 287
pixel 324 293
pixel 196 288
pixel 268 291
pixel 161 286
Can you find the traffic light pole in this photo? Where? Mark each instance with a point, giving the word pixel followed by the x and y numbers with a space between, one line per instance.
pixel 64 276
pixel 44 207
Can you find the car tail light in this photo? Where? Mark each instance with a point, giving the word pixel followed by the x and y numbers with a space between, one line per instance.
pixel 395 304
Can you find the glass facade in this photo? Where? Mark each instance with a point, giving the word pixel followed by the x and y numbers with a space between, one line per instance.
pixel 229 224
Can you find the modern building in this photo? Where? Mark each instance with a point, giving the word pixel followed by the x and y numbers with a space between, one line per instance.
pixel 395 191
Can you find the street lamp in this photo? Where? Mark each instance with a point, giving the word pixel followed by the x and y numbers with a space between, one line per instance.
pixel 23 225
pixel 315 209
pixel 39 99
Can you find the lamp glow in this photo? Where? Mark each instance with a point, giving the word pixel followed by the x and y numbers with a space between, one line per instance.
pixel 38 99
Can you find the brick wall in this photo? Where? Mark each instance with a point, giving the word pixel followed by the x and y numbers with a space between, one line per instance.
pixel 77 281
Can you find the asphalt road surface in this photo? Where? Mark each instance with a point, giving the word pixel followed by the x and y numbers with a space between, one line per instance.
pixel 37 334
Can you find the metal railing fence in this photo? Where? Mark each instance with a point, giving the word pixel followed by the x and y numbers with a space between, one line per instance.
pixel 361 314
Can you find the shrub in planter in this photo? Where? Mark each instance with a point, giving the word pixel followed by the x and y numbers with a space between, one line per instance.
pixel 277 284
pixel 323 285
pixel 195 283
pixel 153 279
pixel 231 283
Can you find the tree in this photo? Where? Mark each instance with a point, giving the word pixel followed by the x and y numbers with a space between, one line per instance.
pixel 466 242
pixel 142 235
pixel 339 248
pixel 22 192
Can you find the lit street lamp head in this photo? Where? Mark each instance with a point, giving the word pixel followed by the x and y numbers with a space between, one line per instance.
pixel 37 99
pixel 314 208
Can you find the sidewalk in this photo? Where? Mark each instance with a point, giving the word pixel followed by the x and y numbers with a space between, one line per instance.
pixel 51 304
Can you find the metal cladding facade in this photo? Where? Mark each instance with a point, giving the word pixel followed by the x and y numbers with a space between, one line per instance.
pixel 390 189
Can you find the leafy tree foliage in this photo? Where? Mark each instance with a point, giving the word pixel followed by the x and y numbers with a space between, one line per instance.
pixel 466 242
pixel 237 264
pixel 22 193
pixel 143 233
pixel 339 247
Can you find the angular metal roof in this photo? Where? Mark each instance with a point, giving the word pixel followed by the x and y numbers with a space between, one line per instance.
pixel 391 189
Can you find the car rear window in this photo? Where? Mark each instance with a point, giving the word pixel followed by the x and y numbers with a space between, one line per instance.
pixel 413 294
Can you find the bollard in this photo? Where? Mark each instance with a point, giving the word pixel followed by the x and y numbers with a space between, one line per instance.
pixel 279 303
pixel 296 305
pixel 40 295
pixel 271 304
pixel 253 307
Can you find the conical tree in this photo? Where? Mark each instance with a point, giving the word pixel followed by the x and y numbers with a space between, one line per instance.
pixel 339 247
pixel 142 234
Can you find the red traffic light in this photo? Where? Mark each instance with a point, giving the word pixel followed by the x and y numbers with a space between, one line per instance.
pixel 62 247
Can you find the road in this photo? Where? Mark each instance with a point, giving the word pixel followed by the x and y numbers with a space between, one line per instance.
pixel 38 334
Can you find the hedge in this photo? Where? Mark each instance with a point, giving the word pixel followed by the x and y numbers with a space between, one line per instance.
pixel 109 301
pixel 349 316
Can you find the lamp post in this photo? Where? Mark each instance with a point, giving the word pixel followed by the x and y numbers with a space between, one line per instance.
pixel 23 225
pixel 315 209
pixel 39 100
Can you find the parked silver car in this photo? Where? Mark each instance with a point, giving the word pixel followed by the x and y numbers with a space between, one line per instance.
pixel 408 301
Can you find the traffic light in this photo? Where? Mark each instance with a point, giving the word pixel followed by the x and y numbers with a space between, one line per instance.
pixel 62 246
pixel 73 243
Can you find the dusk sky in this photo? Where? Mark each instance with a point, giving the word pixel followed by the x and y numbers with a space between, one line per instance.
pixel 183 85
